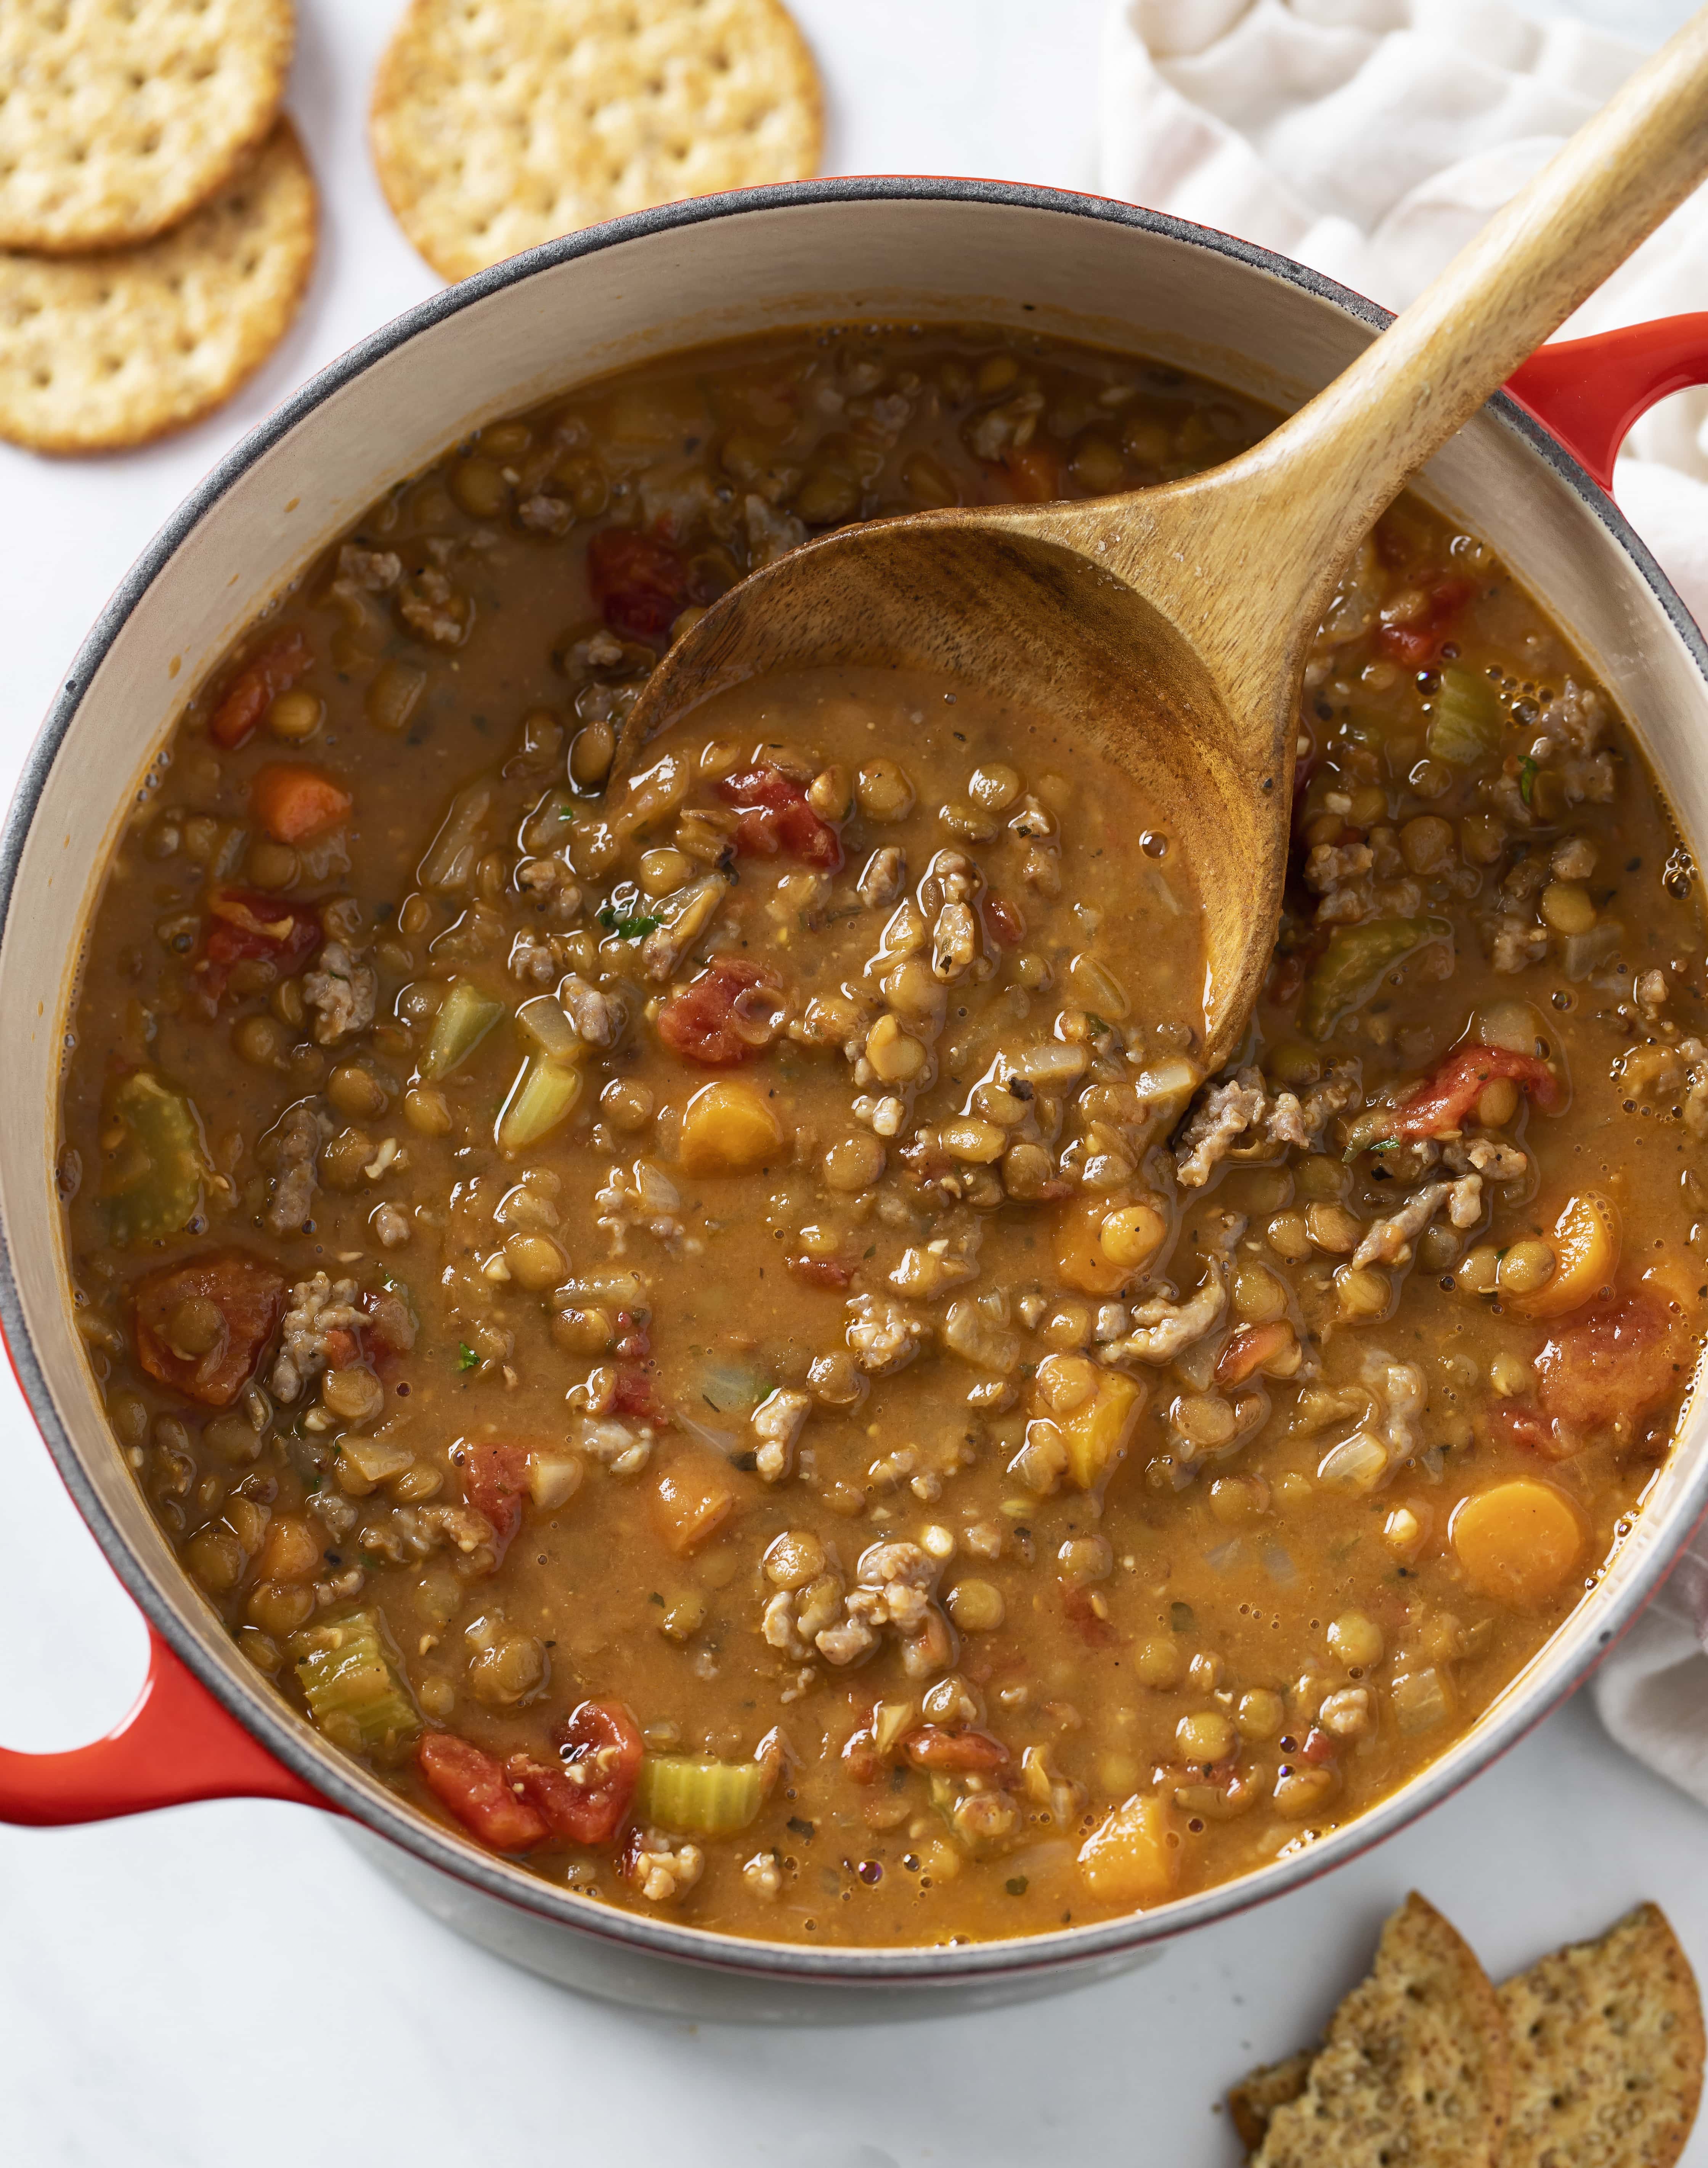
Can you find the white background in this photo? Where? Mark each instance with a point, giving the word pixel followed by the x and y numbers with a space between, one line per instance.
pixel 228 1982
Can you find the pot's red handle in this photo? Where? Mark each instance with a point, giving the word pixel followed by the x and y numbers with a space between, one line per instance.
pixel 1590 391
pixel 175 1745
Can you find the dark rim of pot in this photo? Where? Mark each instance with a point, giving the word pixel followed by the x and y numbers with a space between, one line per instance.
pixel 321 1767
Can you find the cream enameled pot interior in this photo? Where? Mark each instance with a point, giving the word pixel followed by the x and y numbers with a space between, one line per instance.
pixel 907 251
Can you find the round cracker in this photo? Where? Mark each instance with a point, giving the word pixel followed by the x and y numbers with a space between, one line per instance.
pixel 118 117
pixel 499 124
pixel 99 352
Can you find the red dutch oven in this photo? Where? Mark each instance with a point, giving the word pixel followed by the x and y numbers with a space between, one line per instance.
pixel 1530 475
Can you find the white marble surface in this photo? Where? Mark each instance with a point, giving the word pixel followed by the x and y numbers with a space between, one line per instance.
pixel 227 1982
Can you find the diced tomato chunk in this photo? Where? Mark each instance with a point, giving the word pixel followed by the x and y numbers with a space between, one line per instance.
pixel 1034 474
pixel 1318 1749
pixel 472 1786
pixel 242 924
pixel 495 1482
pixel 1617 1362
pixel 715 1020
pixel 633 1395
pixel 639 582
pixel 544 1787
pixel 1248 1349
pixel 390 1321
pixel 777 819
pixel 1522 1424
pixel 821 1272
pixel 342 1348
pixel 585 1798
pixel 251 693
pixel 1005 921
pixel 174 1343
pixel 859 1756
pixel 1444 1101
pixel 1286 976
pixel 293 802
pixel 1079 1602
pixel 972 1752
pixel 1417 644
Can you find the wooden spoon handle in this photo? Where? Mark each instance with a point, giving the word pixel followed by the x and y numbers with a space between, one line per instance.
pixel 1319 482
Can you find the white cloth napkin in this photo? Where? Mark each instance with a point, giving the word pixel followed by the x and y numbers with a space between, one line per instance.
pixel 1652 1692
pixel 1370 139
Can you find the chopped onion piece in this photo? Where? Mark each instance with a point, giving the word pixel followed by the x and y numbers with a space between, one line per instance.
pixel 1053 1061
pixel 1358 1464
pixel 450 863
pixel 1581 954
pixel 1278 1564
pixel 553 1478
pixel 1421 1699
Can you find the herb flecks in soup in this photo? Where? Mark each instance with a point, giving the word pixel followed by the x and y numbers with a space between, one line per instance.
pixel 714 1331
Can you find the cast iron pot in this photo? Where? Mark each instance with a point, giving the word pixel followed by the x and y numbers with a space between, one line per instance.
pixel 861 251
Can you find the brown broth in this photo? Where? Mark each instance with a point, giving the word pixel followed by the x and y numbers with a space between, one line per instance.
pixel 1173 1431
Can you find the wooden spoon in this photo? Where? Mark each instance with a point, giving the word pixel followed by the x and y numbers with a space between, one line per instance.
pixel 1171 625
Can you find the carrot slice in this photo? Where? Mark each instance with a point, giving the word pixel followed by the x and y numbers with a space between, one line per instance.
pixel 293 803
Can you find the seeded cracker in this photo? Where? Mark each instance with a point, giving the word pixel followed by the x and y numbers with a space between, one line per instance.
pixel 1260 2092
pixel 1607 2051
pixel 105 352
pixel 1414 2071
pixel 499 124
pixel 118 117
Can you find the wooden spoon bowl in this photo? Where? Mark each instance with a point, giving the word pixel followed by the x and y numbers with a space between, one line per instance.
pixel 1169 627
pixel 1077 641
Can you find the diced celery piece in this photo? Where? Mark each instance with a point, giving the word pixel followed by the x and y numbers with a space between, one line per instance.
pixel 542 1021
pixel 465 1018
pixel 698 1798
pixel 152 1184
pixel 1353 965
pixel 543 1094
pixel 1464 726
pixel 352 1689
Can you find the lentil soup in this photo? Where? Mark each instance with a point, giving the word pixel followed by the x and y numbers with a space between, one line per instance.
pixel 713 1329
